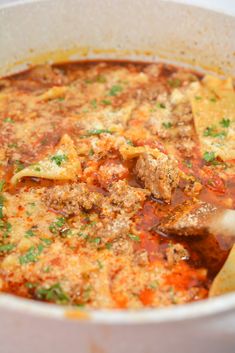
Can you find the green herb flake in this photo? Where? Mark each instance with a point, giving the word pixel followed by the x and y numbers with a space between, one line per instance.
pixel 100 265
pixel 134 237
pixel 98 132
pixel 225 122
pixel 197 98
pixel 46 241
pixel 30 233
pixel 31 255
pixel 161 106
pixel 209 156
pixel 167 125
pixel 93 103
pixel 2 183
pixel 1 206
pixel 54 294
pixel 213 99
pixel 59 158
pixel 19 166
pixel 88 81
pixel 188 163
pixel 6 247
pixel 211 131
pixel 153 285
pixel 30 285
pixel 47 269
pixel 106 102
pixel 108 246
pixel 91 152
pixel 9 120
pixel 174 82
pixel 83 235
pixel 7 227
pixel 101 79
pixel 12 145
pixel 96 240
pixel 87 293
pixel 115 90
pixel 55 226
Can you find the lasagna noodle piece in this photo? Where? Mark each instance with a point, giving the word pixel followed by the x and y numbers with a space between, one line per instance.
pixel 213 102
pixel 63 164
pixel 224 282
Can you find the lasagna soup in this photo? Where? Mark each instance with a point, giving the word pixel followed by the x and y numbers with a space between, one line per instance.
pixel 109 174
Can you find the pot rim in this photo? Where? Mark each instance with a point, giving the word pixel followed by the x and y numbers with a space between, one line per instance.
pixel 191 311
pixel 204 308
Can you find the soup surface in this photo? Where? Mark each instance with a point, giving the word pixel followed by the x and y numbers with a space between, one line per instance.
pixel 109 172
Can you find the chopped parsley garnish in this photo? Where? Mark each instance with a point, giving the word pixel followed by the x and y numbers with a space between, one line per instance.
pixel 225 122
pixel 108 246
pixel 213 99
pixel 12 145
pixel 30 233
pixel 100 265
pixel 87 293
pixel 31 255
pixel 83 235
pixel 153 285
pixel 53 294
pixel 115 90
pixel 19 165
pixel 46 269
pixel 134 237
pixel 2 183
pixel 96 240
pixel 91 152
pixel 221 134
pixel 93 103
pixel 174 82
pixel 37 168
pixel 6 247
pixel 101 79
pixel 213 132
pixel 55 226
pixel 6 228
pixel 188 163
pixel 209 131
pixel 106 102
pixel 198 98
pixel 1 206
pixel 167 125
pixel 209 156
pixel 61 99
pixel 161 106
pixel 46 241
pixel 9 120
pixel 59 158
pixel 30 285
pixel 98 132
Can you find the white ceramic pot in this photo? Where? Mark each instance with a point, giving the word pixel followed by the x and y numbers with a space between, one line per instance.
pixel 133 29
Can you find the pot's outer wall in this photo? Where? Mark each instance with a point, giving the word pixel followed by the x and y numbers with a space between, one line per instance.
pixel 26 334
pixel 154 28
pixel 174 31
